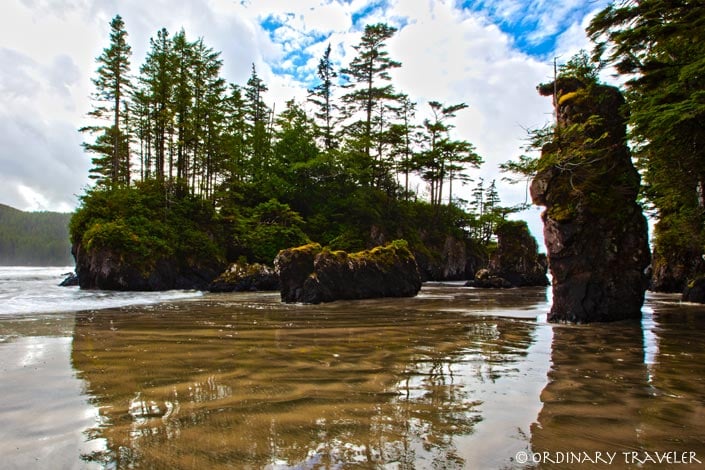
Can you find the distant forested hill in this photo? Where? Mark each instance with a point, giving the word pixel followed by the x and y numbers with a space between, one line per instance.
pixel 34 238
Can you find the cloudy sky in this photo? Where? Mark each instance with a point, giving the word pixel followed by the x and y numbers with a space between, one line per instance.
pixel 490 54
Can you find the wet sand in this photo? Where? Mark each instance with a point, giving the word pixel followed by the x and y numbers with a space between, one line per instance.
pixel 454 378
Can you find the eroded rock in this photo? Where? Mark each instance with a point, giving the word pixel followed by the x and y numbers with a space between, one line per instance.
pixel 595 232
pixel 311 274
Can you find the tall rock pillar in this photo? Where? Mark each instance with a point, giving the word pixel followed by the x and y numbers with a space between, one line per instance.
pixel 595 233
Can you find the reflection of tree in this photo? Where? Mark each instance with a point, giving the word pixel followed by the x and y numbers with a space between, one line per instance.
pixel 269 384
pixel 601 396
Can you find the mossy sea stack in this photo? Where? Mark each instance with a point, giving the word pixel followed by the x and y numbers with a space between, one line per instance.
pixel 595 232
pixel 312 274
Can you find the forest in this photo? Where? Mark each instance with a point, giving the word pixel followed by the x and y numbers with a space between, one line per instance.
pixel 34 238
pixel 186 163
pixel 182 159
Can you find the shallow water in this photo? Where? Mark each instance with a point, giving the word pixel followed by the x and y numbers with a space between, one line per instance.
pixel 453 378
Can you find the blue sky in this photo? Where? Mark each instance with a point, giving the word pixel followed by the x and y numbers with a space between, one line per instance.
pixel 490 54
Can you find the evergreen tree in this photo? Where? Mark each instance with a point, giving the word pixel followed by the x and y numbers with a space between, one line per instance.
pixel 258 119
pixel 444 158
pixel 112 84
pixel 235 136
pixel 157 84
pixel 368 77
pixel 184 62
pixel 659 46
pixel 322 96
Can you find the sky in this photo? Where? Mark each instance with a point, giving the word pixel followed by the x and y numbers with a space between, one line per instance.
pixel 489 54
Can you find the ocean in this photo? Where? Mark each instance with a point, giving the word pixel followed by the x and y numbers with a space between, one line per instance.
pixel 37 290
pixel 454 378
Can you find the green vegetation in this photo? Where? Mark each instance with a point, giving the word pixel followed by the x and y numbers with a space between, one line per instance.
pixel 34 238
pixel 187 165
pixel 659 47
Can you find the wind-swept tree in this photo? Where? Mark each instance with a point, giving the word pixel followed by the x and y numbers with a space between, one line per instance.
pixel 112 86
pixel 444 158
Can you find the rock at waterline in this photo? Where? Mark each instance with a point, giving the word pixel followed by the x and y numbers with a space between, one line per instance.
pixel 595 232
pixel 695 291
pixel 311 274
pixel 239 277
pixel 109 269
pixel 70 280
pixel 516 262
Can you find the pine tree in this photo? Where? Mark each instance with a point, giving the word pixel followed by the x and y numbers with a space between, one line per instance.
pixel 322 96
pixel 366 75
pixel 157 89
pixel 258 119
pixel 112 84
pixel 444 158
pixel 660 47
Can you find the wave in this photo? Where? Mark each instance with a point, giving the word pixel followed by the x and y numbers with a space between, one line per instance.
pixel 26 290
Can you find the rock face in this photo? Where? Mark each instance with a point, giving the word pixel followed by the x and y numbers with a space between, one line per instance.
pixel 595 232
pixel 439 259
pixel 673 272
pixel 240 277
pixel 105 269
pixel 516 262
pixel 310 274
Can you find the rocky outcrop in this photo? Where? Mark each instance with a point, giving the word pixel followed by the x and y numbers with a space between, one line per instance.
pixel 595 232
pixel 310 274
pixel 516 262
pixel 695 291
pixel 486 280
pixel 675 270
pixel 446 261
pixel 70 280
pixel 107 269
pixel 239 277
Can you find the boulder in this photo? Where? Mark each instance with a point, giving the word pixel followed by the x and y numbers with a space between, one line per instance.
pixel 70 280
pixel 695 291
pixel 310 274
pixel 240 277
pixel 108 270
pixel 516 262
pixel 594 230
pixel 517 258
pixel 294 266
pixel 486 280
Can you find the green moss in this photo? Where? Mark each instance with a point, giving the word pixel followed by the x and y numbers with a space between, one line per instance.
pixel 385 255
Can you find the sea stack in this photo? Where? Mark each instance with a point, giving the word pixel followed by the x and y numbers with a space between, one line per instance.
pixel 595 232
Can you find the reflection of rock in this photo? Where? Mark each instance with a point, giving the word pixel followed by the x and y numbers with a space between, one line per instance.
pixel 311 275
pixel 245 277
pixel 595 232
pixel 623 387
pixel 334 385
pixel 596 391
pixel 516 262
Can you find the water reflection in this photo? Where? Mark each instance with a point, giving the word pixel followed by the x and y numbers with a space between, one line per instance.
pixel 244 380
pixel 627 388
pixel 454 378
pixel 43 411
